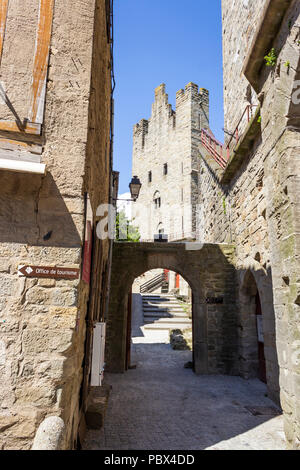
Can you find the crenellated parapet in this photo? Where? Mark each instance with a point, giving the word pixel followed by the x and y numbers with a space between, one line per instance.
pixel 190 101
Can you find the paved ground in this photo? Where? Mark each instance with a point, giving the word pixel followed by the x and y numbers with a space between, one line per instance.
pixel 160 405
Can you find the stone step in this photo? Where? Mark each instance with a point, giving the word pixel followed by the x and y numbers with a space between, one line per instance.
pixel 158 296
pixel 166 315
pixel 167 326
pixel 162 304
pixel 159 299
pixel 166 301
pixel 170 308
pixel 169 320
pixel 170 317
pixel 166 320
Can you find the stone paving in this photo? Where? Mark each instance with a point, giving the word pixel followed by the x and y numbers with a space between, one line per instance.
pixel 160 405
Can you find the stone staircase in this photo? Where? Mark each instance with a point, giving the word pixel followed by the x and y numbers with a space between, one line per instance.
pixel 163 312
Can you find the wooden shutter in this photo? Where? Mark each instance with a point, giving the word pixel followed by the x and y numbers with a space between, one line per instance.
pixel 33 121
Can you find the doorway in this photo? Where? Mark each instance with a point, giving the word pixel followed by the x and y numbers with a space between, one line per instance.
pixel 262 374
pixel 159 314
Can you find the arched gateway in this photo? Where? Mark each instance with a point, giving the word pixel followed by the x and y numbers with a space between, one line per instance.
pixel 210 272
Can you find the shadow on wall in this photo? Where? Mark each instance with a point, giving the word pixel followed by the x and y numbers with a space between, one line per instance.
pixel 33 212
pixel 257 349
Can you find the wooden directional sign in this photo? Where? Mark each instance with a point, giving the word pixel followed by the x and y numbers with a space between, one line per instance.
pixel 48 272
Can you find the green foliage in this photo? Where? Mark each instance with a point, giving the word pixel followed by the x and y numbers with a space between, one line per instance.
pixel 224 205
pixel 271 58
pixel 287 64
pixel 259 119
pixel 125 229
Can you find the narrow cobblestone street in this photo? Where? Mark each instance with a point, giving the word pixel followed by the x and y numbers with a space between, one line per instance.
pixel 160 405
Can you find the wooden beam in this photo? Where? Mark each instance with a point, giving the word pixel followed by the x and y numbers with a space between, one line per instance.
pixel 22 166
pixel 3 16
pixel 40 67
pixel 28 128
pixel 20 146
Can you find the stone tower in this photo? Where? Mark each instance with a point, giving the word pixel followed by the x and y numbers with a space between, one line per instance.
pixel 165 157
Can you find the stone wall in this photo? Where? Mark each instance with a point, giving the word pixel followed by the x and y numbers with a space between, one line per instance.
pixel 254 202
pixel 240 20
pixel 43 217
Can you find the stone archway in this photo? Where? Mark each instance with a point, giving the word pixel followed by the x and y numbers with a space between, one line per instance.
pixel 210 272
pixel 155 308
pixel 258 284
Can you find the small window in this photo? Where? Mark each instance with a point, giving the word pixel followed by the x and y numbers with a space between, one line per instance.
pixel 160 229
pixel 165 169
pixel 149 176
pixel 157 202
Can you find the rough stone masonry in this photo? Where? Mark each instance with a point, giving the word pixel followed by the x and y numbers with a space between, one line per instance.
pixel 254 203
pixel 55 170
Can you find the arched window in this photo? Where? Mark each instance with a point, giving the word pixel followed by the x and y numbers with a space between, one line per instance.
pixel 157 200
pixel 160 228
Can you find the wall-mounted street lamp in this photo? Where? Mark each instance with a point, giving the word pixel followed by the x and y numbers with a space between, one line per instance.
pixel 135 187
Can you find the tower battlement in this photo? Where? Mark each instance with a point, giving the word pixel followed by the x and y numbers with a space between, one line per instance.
pixel 141 128
pixel 190 95
pixel 191 91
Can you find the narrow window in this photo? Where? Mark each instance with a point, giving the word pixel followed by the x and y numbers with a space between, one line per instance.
pixel 157 202
pixel 165 169
pixel 149 176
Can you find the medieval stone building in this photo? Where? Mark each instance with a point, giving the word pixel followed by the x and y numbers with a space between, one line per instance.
pixel 55 170
pixel 165 159
pixel 256 198
pixel 250 190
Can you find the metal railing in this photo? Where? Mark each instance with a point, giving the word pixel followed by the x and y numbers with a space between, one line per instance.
pixel 246 116
pixel 158 281
pixel 221 152
pixel 215 148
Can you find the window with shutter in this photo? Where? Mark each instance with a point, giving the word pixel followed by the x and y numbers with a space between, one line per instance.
pixel 24 49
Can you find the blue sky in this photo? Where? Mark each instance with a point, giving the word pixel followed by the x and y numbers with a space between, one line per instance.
pixel 163 41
